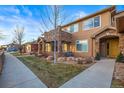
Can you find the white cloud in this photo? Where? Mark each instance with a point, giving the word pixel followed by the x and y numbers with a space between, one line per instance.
pixel 8 23
pixel 2 18
pixel 80 14
pixel 31 27
pixel 27 11
pixel 10 9
pixel 77 15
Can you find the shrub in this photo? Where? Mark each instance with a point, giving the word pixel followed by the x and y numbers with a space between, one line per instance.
pixel 120 58
pixel 80 61
pixel 68 54
pixel 89 59
pixel 97 57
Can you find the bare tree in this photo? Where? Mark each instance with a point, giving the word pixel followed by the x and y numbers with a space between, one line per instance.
pixel 51 18
pixel 19 36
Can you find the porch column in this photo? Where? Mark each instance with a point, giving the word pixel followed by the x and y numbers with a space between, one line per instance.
pixel 93 48
pixel 39 47
pixel 97 41
pixel 59 48
pixel 43 46
pixel 68 46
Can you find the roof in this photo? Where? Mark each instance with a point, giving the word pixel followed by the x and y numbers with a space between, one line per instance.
pixel 102 30
pixel 33 42
pixel 91 15
pixel 119 14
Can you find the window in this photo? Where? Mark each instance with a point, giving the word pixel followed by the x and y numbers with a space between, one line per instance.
pixel 73 28
pixel 48 47
pixel 96 21
pixel 90 23
pixel 82 45
pixel 64 47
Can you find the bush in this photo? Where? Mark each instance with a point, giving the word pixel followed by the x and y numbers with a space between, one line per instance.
pixel 68 54
pixel 80 61
pixel 89 60
pixel 120 58
pixel 97 57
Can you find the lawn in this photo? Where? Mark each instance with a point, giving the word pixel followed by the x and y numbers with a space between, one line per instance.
pixel 53 75
pixel 16 54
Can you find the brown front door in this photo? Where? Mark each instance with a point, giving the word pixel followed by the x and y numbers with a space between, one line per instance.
pixel 103 49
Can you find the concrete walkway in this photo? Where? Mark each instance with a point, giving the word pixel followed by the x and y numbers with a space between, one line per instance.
pixel 17 75
pixel 97 76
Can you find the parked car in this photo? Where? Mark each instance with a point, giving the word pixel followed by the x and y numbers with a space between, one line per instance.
pixel 12 49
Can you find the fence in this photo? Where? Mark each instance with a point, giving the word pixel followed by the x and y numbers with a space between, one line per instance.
pixel 1 61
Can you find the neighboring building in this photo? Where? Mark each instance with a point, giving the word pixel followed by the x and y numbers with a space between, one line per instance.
pixel 101 32
pixel 12 47
pixel 30 47
pixel 3 47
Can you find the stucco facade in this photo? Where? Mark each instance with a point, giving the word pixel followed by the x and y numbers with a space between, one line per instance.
pixel 105 35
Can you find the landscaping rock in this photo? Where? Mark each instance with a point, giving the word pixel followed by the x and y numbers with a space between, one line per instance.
pixel 70 59
pixel 89 59
pixel 81 60
pixel 61 59
pixel 49 58
pixel 39 55
pixel 78 59
pixel 119 71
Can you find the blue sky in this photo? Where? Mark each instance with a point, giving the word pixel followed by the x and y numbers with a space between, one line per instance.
pixel 29 17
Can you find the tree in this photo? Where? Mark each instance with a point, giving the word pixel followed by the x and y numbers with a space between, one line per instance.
pixel 19 36
pixel 51 18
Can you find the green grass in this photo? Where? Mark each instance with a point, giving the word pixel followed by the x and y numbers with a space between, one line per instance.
pixel 117 84
pixel 16 54
pixel 53 75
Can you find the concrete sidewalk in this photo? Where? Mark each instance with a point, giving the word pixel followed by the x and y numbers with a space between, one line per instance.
pixel 17 75
pixel 97 76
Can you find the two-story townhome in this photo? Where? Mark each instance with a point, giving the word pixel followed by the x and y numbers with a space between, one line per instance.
pixel 101 32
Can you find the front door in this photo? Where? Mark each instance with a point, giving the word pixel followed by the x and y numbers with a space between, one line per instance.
pixel 113 48
pixel 103 49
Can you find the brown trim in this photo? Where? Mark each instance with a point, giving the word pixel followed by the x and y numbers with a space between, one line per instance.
pixel 102 30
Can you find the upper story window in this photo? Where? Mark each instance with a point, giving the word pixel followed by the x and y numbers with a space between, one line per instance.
pixel 91 23
pixel 73 28
pixel 97 21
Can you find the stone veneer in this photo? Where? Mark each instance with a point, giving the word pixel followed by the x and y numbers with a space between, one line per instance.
pixel 121 42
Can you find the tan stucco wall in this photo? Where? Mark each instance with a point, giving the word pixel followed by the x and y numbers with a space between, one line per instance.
pixel 86 34
pixel 28 48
